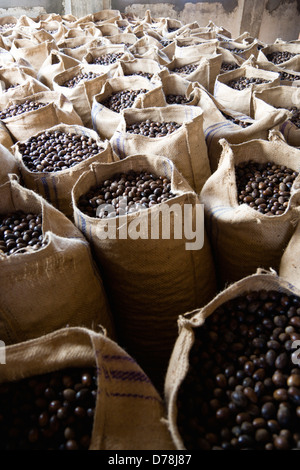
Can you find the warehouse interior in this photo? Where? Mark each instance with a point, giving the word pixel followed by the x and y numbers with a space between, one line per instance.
pixel 150 227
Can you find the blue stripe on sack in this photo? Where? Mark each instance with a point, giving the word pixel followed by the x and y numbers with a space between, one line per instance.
pixel 96 109
pixel 83 225
pixel 216 127
pixel 108 357
pixel 46 188
pixel 133 395
pixel 130 375
pixel 55 192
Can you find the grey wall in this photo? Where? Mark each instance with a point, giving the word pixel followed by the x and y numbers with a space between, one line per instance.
pixel 50 6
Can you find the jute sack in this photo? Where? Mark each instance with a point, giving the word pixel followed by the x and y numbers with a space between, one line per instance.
pixel 192 47
pixel 281 97
pixel 218 123
pixel 289 268
pixel 187 324
pixel 291 64
pixel 206 72
pixel 107 29
pixel 137 66
pixel 5 138
pixel 106 16
pixel 6 58
pixel 105 121
pixel 8 163
pixel 123 38
pixel 93 53
pixel 152 53
pixel 77 47
pixel 53 287
pixel 57 62
pixel 58 110
pixel 242 238
pixel 185 147
pixel 239 49
pixel 81 96
pixel 16 83
pixel 285 79
pixel 56 187
pixel 35 54
pixel 149 278
pixel 129 412
pixel 241 100
pixel 55 28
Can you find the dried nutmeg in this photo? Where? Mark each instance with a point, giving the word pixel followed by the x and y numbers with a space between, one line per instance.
pixel 54 151
pixel 265 187
pixel 153 128
pixel 126 193
pixel 53 411
pixel 242 387
pixel 20 232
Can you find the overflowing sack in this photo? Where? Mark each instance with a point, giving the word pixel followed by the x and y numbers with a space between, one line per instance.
pixel 129 412
pixel 53 287
pixel 81 95
pixel 57 62
pixel 292 63
pixel 57 110
pixel 35 54
pixel 151 271
pixel 242 238
pixel 241 100
pixel 56 186
pixel 178 370
pixel 105 120
pixel 185 147
pixel 221 122
pixel 282 97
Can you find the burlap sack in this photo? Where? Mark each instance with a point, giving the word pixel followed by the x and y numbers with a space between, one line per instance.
pixel 192 47
pixel 149 279
pixel 77 47
pixel 16 83
pixel 81 96
pixel 57 62
pixel 55 28
pixel 123 38
pixel 242 238
pixel 8 164
pixel 218 124
pixel 281 97
pixel 105 121
pixel 220 30
pixel 58 110
pixel 6 58
pixel 205 73
pixel 289 268
pixel 35 54
pixel 187 324
pixel 134 66
pixel 241 50
pixel 185 147
pixel 51 288
pixel 94 52
pixel 106 16
pixel 241 100
pixel 5 137
pixel 129 412
pixel 151 53
pixel 174 84
pixel 291 64
pixel 107 29
pixel 56 187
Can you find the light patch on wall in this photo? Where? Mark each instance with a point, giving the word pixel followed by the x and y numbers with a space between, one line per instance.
pixel 32 12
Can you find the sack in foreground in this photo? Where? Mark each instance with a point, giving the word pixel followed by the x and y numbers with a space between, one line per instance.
pixel 117 408
pixel 231 379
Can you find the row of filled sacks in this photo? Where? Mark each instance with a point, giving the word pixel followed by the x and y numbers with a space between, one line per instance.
pixel 149 265
pixel 232 381
pixel 244 219
pixel 210 118
pixel 233 377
